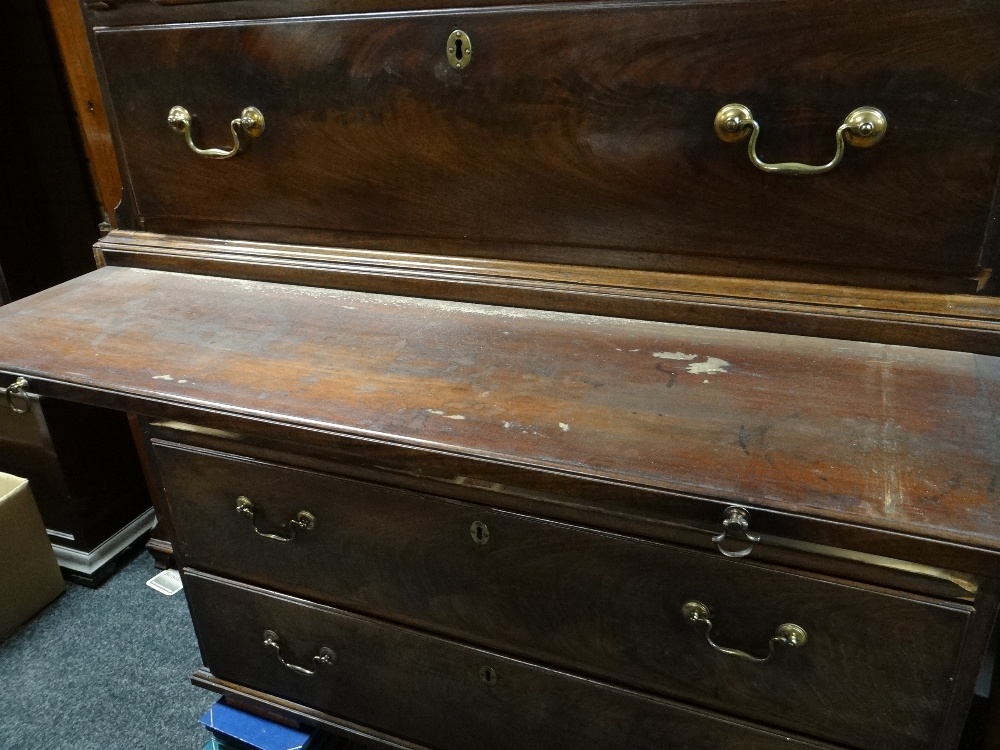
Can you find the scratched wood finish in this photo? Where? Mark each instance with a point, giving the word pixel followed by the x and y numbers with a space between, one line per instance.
pixel 885 437
pixel 583 600
pixel 583 131
pixel 962 322
pixel 437 694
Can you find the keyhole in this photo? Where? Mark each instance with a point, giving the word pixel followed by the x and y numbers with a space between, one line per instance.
pixel 488 675
pixel 480 532
pixel 459 49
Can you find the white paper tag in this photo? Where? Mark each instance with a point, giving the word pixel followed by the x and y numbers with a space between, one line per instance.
pixel 168 582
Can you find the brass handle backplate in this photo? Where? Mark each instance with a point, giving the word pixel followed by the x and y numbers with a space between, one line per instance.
pixel 863 128
pixel 736 526
pixel 250 121
pixel 17 397
pixel 324 658
pixel 303 521
pixel 788 635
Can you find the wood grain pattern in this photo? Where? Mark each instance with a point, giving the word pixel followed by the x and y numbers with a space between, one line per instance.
pixel 586 601
pixel 884 437
pixel 74 47
pixel 529 707
pixel 850 552
pixel 962 322
pixel 555 138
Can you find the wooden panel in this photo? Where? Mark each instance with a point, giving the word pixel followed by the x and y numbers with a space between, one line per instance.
pixel 962 322
pixel 427 689
pixel 587 601
pixel 82 466
pixel 71 34
pixel 886 437
pixel 556 138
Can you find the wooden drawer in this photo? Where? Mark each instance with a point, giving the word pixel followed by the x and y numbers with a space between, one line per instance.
pixel 443 694
pixel 603 604
pixel 584 132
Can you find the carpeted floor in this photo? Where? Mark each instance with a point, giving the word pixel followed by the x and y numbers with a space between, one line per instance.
pixel 104 669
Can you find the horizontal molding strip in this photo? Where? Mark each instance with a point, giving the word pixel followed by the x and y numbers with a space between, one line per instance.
pixel 959 322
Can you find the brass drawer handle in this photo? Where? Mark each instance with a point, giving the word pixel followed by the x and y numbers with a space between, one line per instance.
pixel 17 390
pixel 736 526
pixel 789 634
pixel 863 128
pixel 250 121
pixel 304 521
pixel 324 658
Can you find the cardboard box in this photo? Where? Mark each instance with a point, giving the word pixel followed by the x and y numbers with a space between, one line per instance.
pixel 29 575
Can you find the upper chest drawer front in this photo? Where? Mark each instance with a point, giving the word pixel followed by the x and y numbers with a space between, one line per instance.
pixel 600 603
pixel 586 126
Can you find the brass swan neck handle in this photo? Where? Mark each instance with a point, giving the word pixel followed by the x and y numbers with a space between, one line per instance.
pixel 324 658
pixel 250 122
pixel 862 128
pixel 303 521
pixel 789 635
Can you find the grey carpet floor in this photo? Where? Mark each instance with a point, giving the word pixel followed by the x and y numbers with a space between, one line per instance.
pixel 104 669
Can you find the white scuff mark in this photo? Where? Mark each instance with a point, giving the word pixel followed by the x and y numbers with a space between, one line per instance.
pixel 892 493
pixel 162 377
pixel 711 366
pixel 634 350
pixel 674 355
pixel 348 307
pixel 507 425
pixel 445 414
pixel 484 394
pixel 704 381
pixel 617 349
pixel 182 381
pixel 564 427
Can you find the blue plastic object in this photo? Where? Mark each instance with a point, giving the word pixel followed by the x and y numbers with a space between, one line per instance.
pixel 243 730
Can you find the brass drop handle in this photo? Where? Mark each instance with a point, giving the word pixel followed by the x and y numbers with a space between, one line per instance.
pixel 303 521
pixel 250 121
pixel 324 658
pixel 17 390
pixel 736 526
pixel 863 128
pixel 788 635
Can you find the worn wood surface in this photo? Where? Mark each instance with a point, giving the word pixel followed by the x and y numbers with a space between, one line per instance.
pixel 885 437
pixel 578 149
pixel 963 322
pixel 591 602
pixel 528 707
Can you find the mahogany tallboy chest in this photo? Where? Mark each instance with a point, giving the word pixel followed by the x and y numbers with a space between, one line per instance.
pixel 559 375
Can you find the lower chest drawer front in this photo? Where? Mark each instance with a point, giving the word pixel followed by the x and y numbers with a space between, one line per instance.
pixel 433 691
pixel 875 670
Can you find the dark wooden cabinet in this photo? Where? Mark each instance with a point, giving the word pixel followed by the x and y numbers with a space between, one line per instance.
pixel 85 477
pixel 494 400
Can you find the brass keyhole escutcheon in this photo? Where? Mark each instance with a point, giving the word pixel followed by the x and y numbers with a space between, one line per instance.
pixel 480 532
pixel 459 49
